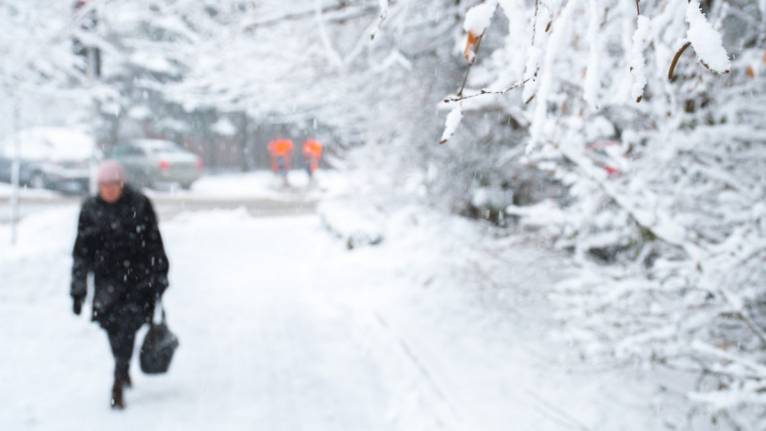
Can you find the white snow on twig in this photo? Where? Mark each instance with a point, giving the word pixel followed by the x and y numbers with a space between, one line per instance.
pixel 453 122
pixel 637 61
pixel 535 54
pixel 530 68
pixel 706 40
pixel 382 16
pixel 383 8
pixel 547 74
pixel 477 18
pixel 593 77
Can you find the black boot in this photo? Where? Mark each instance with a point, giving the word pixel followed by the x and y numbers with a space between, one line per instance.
pixel 121 380
pixel 118 401
pixel 122 373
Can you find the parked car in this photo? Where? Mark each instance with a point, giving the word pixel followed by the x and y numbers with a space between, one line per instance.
pixel 52 158
pixel 153 162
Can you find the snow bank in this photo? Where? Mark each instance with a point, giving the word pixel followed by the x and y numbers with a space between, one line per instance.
pixel 351 222
pixel 262 185
pixel 6 190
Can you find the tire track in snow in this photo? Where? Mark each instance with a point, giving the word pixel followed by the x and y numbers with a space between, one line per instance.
pixel 553 413
pixel 421 368
pixel 375 336
pixel 524 396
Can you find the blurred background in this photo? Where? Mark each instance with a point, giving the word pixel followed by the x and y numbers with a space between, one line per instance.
pixel 566 185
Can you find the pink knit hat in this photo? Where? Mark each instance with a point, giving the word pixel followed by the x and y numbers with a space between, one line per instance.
pixel 110 171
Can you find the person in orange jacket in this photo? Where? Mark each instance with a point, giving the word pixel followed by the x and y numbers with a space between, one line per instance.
pixel 280 151
pixel 312 153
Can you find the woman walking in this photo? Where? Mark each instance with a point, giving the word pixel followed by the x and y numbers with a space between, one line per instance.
pixel 119 242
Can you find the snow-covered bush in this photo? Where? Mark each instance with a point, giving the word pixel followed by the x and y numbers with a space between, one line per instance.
pixel 671 243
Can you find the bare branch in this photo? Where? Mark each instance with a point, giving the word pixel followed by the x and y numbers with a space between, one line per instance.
pixel 459 97
pixel 470 66
pixel 340 12
pixel 534 21
pixel 674 63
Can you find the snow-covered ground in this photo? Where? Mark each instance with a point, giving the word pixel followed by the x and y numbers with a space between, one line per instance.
pixel 234 185
pixel 260 185
pixel 6 190
pixel 282 328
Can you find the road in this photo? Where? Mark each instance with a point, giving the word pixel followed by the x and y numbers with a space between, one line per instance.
pixel 170 206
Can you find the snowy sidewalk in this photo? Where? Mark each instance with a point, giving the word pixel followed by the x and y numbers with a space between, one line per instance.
pixel 282 329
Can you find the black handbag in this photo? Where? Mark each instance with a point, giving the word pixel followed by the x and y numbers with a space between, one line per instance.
pixel 158 347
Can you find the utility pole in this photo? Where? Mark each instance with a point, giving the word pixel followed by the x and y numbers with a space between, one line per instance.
pixel 15 168
pixel 94 66
pixel 89 19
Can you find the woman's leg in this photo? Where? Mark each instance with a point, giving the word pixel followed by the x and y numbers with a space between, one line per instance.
pixel 121 340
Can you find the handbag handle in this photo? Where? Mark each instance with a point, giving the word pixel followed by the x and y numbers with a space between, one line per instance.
pixel 159 312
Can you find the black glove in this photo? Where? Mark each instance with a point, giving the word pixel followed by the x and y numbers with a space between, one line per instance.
pixel 77 305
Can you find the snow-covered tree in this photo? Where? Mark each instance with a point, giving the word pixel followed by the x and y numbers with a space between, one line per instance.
pixel 667 223
pixel 39 67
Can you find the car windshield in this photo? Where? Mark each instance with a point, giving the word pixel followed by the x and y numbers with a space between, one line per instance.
pixel 156 147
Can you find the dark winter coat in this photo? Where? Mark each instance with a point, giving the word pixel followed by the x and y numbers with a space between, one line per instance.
pixel 121 245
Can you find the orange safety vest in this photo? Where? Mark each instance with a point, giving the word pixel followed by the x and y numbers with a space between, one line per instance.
pixel 312 149
pixel 281 147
